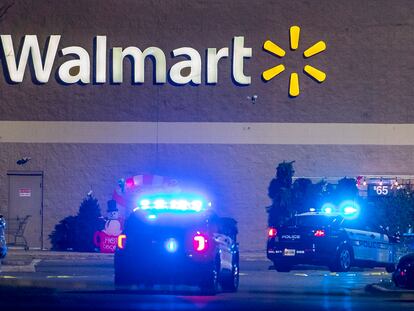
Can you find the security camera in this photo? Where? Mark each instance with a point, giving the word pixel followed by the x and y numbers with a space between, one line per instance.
pixel 253 98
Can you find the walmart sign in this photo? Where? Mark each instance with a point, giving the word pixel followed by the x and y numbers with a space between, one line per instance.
pixel 187 70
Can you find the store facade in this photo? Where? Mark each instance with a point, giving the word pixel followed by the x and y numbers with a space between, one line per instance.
pixel 195 103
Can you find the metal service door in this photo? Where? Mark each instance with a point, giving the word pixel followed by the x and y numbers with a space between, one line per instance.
pixel 26 198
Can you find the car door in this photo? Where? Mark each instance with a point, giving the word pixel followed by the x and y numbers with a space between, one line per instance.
pixel 385 250
pixel 362 239
pixel 361 242
pixel 224 244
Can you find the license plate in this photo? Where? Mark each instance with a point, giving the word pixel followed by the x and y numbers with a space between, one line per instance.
pixel 289 252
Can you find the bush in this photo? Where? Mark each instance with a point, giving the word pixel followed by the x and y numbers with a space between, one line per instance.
pixel 306 195
pixel 279 191
pixel 76 232
pixel 395 211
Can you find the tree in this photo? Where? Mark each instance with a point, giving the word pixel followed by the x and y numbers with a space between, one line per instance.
pixel 301 192
pixel 59 238
pixel 395 211
pixel 307 195
pixel 76 232
pixel 346 189
pixel 279 191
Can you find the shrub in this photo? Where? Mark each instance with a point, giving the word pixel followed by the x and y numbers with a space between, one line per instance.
pixel 76 232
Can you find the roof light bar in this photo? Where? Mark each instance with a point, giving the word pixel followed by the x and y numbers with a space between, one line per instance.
pixel 176 204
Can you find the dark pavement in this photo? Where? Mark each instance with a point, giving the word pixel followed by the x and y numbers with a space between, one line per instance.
pixel 87 285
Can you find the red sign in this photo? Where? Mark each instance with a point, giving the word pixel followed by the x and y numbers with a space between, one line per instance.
pixel 25 192
pixel 106 243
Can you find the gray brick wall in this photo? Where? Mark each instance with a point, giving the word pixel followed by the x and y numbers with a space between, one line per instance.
pixel 369 80
pixel 368 60
pixel 236 176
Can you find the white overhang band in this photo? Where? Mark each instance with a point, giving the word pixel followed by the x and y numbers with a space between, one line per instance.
pixel 206 133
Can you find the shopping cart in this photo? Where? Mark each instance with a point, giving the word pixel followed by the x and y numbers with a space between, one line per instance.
pixel 15 231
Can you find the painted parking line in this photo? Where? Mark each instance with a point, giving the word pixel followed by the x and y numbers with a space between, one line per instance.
pixel 59 277
pixel 375 273
pixel 301 274
pixel 331 274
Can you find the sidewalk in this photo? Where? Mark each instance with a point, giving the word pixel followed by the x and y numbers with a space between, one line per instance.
pixel 19 256
pixel 14 255
pixel 18 260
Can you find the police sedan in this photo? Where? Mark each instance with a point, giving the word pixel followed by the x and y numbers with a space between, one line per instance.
pixel 178 240
pixel 328 239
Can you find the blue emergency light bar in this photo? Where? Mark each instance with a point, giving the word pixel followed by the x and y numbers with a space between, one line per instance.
pixel 347 209
pixel 173 204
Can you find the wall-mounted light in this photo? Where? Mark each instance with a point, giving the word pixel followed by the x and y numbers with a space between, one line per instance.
pixel 253 98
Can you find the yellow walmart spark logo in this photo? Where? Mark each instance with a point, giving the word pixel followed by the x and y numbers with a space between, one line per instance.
pixel 273 48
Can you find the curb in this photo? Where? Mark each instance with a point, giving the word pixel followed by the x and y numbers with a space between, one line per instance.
pixel 379 289
pixel 17 257
pixel 21 255
pixel 54 285
pixel 21 268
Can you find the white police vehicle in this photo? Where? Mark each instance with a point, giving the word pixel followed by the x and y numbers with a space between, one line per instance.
pixel 176 239
pixel 333 240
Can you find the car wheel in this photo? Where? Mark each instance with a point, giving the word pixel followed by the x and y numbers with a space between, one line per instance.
pixel 231 283
pixel 342 261
pixel 210 283
pixel 400 278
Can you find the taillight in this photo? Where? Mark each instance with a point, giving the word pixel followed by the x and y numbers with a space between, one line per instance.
pixel 121 241
pixel 199 243
pixel 319 233
pixel 272 232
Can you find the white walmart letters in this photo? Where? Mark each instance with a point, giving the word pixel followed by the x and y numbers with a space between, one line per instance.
pixel 78 70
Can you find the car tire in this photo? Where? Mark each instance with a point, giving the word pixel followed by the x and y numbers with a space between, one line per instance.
pixel 210 283
pixel 230 283
pixel 343 260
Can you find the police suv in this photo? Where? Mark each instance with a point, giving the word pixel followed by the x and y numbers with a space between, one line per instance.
pixel 329 239
pixel 176 239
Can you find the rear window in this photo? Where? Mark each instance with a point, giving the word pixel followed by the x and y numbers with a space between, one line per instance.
pixel 312 221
